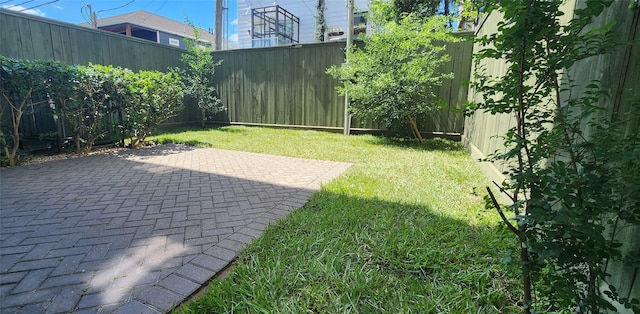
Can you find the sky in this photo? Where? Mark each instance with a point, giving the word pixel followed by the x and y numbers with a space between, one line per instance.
pixel 200 12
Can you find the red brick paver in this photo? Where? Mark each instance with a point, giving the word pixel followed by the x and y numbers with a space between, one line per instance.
pixel 138 231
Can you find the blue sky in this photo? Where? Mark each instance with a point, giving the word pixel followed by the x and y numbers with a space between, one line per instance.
pixel 200 12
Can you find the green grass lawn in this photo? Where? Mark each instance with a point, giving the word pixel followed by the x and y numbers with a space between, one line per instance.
pixel 402 231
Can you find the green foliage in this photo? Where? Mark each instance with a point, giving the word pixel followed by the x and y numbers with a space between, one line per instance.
pixel 565 159
pixel 21 87
pixel 111 101
pixel 464 11
pixel 60 84
pixel 96 101
pixel 394 78
pixel 199 77
pixel 421 8
pixel 90 106
pixel 156 97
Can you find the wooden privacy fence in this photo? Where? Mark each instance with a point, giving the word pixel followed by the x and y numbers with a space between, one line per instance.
pixel 25 36
pixel 289 86
pixel 285 85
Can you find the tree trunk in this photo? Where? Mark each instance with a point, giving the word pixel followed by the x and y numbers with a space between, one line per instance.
pixel 526 276
pixel 414 128
pixel 78 144
pixel 16 134
pixel 16 116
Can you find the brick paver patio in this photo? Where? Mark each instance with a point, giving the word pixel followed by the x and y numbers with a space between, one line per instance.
pixel 141 230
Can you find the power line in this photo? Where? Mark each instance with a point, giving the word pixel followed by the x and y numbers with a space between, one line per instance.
pixel 39 5
pixel 88 15
pixel 6 1
pixel 308 8
pixel 120 7
pixel 19 4
pixel 162 6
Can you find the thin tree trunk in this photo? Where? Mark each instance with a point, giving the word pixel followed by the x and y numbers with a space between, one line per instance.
pixel 414 128
pixel 78 145
pixel 521 123
pixel 526 275
pixel 520 232
pixel 16 134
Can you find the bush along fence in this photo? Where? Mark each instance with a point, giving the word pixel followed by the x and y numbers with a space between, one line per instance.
pixel 81 105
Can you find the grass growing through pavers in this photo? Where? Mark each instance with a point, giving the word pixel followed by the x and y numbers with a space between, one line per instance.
pixel 402 231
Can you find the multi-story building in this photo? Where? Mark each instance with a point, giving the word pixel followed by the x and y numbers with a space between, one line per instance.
pixel 149 26
pixel 268 23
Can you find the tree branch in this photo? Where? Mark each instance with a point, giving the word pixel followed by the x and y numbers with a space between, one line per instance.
pixel 513 199
pixel 499 209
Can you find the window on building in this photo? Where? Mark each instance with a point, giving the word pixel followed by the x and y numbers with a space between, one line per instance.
pixel 174 42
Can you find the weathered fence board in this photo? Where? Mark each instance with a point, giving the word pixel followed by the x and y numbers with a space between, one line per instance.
pixel 281 85
pixel 29 37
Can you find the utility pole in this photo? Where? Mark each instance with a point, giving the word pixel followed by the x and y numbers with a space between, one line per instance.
pixel 94 20
pixel 347 116
pixel 89 15
pixel 226 24
pixel 218 24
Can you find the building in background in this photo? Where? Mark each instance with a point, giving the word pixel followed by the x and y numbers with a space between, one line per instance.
pixel 268 23
pixel 152 27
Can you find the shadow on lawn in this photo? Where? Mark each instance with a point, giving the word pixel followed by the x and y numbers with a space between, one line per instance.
pixel 342 252
pixel 433 144
pixel 412 239
pixel 196 128
pixel 174 135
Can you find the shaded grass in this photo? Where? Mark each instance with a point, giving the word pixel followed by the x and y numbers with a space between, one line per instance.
pixel 402 231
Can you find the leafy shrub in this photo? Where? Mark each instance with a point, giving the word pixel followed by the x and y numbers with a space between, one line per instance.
pixel 156 97
pixel 21 87
pixel 96 101
pixel 571 170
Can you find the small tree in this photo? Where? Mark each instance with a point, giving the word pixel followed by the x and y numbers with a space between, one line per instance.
pixel 21 86
pixel 565 161
pixel 394 77
pixel 198 76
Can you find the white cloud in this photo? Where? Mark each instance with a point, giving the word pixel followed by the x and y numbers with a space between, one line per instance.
pixel 23 9
pixel 234 22
pixel 233 37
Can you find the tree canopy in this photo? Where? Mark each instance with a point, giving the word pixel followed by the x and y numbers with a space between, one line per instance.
pixel 421 8
pixel 394 77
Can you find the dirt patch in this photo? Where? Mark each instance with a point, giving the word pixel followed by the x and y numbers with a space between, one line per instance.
pixel 38 159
